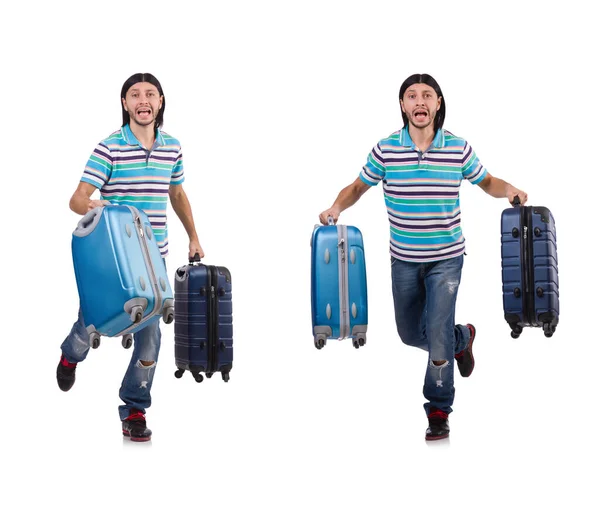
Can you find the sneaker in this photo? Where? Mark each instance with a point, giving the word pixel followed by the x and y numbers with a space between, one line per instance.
pixel 465 359
pixel 65 374
pixel 134 426
pixel 438 425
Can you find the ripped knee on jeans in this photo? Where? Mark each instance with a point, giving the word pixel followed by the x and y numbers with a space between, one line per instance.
pixel 146 363
pixel 437 367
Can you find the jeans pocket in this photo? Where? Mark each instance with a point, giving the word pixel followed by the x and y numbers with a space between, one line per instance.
pixel 393 260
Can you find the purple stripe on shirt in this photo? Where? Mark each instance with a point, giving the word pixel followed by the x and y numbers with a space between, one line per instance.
pixel 418 228
pixel 129 191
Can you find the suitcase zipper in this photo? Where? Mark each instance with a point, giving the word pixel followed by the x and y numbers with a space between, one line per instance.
pixel 149 266
pixel 343 276
pixel 213 321
pixel 527 264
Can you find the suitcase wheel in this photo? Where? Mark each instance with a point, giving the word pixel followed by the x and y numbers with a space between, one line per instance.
pixel 549 330
pixel 127 341
pixel 209 375
pixel 168 315
pixel 137 313
pixel 320 341
pixel 179 373
pixel 516 332
pixel 225 376
pixel 360 340
pixel 198 377
pixel 94 340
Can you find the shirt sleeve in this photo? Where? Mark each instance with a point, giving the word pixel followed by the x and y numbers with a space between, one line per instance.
pixel 472 169
pixel 374 169
pixel 99 167
pixel 177 176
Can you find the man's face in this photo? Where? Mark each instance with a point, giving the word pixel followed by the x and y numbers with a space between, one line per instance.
pixel 421 104
pixel 143 102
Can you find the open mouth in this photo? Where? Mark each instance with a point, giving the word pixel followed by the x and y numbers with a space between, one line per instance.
pixel 144 112
pixel 420 115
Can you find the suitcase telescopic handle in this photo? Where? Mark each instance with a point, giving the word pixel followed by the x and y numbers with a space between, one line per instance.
pixel 516 201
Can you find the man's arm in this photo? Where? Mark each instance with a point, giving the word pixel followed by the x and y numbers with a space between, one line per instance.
pixel 80 201
pixel 499 188
pixel 181 206
pixel 346 198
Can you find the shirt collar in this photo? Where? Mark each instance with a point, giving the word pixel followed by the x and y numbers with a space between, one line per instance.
pixel 130 138
pixel 406 140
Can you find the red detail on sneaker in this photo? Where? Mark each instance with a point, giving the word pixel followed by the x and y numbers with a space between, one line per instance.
pixel 66 363
pixel 438 414
pixel 138 414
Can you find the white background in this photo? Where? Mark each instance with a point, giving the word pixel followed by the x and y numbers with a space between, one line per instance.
pixel 277 106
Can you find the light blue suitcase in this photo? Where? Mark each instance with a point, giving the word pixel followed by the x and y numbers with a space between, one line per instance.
pixel 338 285
pixel 121 276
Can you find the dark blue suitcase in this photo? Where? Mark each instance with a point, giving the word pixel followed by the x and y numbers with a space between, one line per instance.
pixel 203 320
pixel 529 269
pixel 338 285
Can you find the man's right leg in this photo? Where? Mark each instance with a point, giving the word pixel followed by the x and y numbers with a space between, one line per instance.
pixel 74 349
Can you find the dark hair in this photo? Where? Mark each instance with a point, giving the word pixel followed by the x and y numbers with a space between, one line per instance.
pixel 423 78
pixel 143 77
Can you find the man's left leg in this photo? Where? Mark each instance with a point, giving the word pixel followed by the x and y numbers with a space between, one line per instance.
pixel 445 340
pixel 137 382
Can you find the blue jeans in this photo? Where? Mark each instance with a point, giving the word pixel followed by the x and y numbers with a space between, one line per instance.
pixel 137 382
pixel 424 303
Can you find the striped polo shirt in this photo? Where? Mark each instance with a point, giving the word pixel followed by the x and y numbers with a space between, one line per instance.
pixel 127 173
pixel 421 193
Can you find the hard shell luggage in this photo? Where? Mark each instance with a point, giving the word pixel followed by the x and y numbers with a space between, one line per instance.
pixel 338 285
pixel 203 320
pixel 121 276
pixel 529 268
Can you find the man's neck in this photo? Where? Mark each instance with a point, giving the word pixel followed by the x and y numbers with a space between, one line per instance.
pixel 422 137
pixel 144 133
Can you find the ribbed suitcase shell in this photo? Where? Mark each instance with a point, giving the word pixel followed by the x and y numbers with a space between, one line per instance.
pixel 529 269
pixel 203 320
pixel 112 269
pixel 338 285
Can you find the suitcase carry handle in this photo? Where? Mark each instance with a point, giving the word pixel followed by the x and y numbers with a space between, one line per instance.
pixel 330 221
pixel 88 222
pixel 195 259
pixel 516 201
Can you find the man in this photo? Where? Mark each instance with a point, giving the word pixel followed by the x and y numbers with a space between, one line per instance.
pixel 137 165
pixel 422 167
